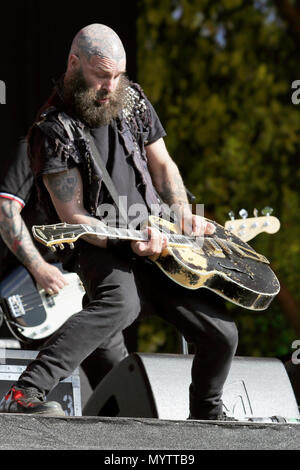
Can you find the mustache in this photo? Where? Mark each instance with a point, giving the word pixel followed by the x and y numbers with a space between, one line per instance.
pixel 103 94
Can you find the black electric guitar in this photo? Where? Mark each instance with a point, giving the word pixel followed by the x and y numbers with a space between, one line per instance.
pixel 222 262
pixel 30 313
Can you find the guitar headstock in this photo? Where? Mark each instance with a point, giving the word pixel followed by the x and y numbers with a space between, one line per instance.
pixel 247 228
pixel 56 235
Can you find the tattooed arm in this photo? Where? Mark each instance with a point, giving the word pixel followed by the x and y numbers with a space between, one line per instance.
pixel 169 185
pixel 17 238
pixel 66 192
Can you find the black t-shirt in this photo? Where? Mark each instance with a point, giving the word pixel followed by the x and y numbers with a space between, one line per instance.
pixel 17 183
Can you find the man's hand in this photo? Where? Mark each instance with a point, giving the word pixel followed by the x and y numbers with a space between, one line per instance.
pixel 48 277
pixel 196 225
pixel 155 244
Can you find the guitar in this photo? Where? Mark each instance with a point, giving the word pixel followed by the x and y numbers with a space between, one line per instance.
pixel 248 228
pixel 222 262
pixel 30 313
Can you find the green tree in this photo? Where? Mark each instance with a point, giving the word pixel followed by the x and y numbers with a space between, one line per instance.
pixel 220 75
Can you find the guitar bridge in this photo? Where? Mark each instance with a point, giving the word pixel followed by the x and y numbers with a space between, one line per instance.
pixel 15 306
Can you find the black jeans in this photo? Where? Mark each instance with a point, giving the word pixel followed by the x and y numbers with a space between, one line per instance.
pixel 103 359
pixel 119 290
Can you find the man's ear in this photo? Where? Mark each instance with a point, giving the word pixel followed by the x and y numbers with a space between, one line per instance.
pixel 73 62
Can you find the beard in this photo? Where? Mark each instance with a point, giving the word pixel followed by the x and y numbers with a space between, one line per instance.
pixel 81 99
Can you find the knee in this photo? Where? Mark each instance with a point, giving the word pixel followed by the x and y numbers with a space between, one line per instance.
pixel 127 304
pixel 119 300
pixel 226 339
pixel 220 339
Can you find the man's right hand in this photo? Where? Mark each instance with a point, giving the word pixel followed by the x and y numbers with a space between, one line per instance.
pixel 48 277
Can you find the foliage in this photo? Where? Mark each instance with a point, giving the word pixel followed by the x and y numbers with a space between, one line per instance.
pixel 219 75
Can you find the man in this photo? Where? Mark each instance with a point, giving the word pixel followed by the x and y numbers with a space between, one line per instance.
pixel 19 210
pixel 118 277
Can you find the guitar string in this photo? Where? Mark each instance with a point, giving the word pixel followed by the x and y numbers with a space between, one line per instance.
pixel 186 241
pixel 175 236
pixel 65 293
pixel 65 289
pixel 61 297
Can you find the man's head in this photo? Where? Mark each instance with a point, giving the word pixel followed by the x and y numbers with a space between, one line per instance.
pixel 95 82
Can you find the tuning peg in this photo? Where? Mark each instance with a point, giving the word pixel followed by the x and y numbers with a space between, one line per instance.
pixel 72 246
pixel 267 211
pixel 255 212
pixel 61 246
pixel 52 248
pixel 231 215
pixel 243 213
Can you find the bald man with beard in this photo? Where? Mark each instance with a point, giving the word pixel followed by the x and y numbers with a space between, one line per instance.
pixel 94 105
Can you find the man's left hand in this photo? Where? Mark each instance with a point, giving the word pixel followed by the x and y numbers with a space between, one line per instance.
pixel 196 225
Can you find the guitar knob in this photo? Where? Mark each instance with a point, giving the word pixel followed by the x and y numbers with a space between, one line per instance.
pixel 243 213
pixel 267 211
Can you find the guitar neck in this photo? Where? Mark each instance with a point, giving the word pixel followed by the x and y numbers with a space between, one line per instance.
pixel 60 233
pixel 134 235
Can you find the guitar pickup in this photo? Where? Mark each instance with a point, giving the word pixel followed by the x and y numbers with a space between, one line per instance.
pixel 16 306
pixel 213 245
pixel 224 246
pixel 237 250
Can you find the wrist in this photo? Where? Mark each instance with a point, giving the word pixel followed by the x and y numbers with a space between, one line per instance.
pixel 36 265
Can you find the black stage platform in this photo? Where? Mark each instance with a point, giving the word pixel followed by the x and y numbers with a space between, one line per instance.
pixel 20 432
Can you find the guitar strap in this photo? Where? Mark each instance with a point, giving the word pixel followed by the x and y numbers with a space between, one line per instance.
pixel 110 185
pixel 107 179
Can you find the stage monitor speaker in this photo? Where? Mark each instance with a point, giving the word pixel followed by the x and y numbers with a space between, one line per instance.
pixel 293 371
pixel 157 386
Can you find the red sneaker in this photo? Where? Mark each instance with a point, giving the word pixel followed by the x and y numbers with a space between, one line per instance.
pixel 29 400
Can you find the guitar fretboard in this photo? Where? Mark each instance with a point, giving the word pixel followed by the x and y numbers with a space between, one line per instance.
pixel 138 235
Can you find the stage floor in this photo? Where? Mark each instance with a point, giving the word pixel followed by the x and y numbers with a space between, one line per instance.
pixel 21 432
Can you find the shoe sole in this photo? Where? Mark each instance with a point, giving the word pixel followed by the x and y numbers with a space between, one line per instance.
pixel 39 413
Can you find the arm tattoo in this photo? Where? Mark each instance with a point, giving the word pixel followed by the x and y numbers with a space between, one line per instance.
pixel 173 191
pixel 15 234
pixel 63 185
